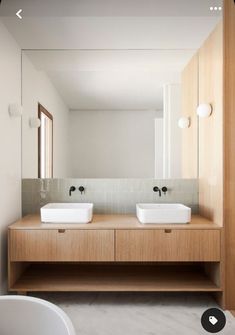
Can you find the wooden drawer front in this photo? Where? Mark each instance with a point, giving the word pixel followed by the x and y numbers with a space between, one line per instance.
pixel 62 245
pixel 167 245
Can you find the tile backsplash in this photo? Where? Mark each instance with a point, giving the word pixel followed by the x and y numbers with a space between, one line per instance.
pixel 110 196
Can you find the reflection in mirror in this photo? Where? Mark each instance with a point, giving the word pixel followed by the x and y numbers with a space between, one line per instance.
pixel 45 143
pixel 115 112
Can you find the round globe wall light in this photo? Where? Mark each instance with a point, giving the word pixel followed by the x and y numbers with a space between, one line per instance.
pixel 184 122
pixel 204 110
pixel 34 122
pixel 15 110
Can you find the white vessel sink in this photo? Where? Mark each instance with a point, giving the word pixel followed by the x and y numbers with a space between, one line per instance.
pixel 67 213
pixel 163 213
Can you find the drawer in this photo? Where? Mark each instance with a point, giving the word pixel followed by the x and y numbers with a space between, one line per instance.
pixel 61 245
pixel 168 245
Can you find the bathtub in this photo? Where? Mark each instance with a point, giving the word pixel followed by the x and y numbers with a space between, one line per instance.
pixel 21 315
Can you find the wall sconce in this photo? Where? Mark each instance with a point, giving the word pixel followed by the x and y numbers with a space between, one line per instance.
pixel 204 110
pixel 15 110
pixel 34 122
pixel 184 122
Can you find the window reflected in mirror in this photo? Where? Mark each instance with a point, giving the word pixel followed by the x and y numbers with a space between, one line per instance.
pixel 45 143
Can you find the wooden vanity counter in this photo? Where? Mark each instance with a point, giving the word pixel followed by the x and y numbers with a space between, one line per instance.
pixel 112 222
pixel 114 253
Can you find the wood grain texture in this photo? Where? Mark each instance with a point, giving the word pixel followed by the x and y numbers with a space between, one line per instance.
pixel 213 272
pixel 32 241
pixel 15 271
pixel 71 245
pixel 105 222
pixel 159 245
pixel 229 150
pixel 110 278
pixel 189 101
pixel 211 128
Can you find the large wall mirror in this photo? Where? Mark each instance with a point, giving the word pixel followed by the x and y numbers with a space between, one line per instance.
pixel 116 112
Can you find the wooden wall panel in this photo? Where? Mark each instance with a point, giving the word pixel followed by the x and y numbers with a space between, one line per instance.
pixel 211 128
pixel 189 102
pixel 229 150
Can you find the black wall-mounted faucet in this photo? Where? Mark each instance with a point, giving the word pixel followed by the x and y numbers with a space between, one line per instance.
pixel 157 189
pixel 72 189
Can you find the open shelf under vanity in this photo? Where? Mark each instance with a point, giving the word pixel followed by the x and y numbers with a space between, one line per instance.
pixel 114 277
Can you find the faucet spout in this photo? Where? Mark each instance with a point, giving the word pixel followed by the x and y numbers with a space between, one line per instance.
pixel 72 189
pixel 157 189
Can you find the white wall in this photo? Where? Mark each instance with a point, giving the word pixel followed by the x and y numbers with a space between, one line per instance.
pixel 112 144
pixel 10 144
pixel 38 88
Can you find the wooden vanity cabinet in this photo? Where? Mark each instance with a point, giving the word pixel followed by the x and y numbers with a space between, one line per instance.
pixel 168 245
pixel 61 245
pixel 114 253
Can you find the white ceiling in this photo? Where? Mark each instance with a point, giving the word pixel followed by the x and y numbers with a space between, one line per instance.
pixel 112 90
pixel 128 49
pixel 110 32
pixel 111 80
pixel 110 60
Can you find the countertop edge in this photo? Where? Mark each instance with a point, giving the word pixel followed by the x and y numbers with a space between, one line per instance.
pixel 112 222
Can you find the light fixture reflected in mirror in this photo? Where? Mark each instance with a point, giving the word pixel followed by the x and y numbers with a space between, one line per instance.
pixel 15 110
pixel 34 122
pixel 184 122
pixel 204 110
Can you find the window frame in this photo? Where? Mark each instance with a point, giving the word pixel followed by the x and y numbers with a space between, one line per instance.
pixel 43 110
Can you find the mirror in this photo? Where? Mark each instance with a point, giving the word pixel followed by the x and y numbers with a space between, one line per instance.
pixel 115 112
